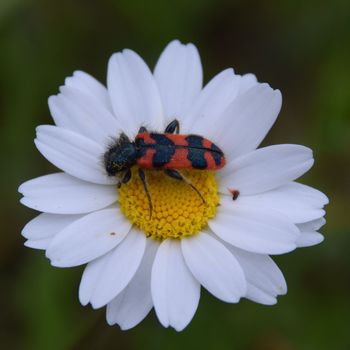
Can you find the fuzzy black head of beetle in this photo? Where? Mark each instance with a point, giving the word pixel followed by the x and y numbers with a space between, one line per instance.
pixel 120 156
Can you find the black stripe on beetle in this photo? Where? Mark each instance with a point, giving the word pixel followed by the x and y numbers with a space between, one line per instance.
pixel 196 152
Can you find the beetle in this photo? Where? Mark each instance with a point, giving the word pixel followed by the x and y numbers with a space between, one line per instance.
pixel 168 151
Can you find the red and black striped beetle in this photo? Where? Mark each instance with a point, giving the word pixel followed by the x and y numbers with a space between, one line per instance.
pixel 168 152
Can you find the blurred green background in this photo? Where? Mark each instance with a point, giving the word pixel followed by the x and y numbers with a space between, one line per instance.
pixel 300 47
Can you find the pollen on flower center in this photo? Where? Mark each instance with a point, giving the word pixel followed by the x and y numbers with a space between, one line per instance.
pixel 178 211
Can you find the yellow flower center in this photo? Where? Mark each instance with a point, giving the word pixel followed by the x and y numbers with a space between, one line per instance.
pixel 178 211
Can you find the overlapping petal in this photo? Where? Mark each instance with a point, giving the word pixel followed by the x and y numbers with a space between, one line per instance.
pixel 73 153
pixel 309 235
pixel 175 292
pixel 300 203
pixel 246 82
pixel 265 280
pixel 120 267
pixel 179 76
pixel 42 243
pixel 133 92
pixel 211 103
pixel 41 230
pixel 90 276
pixel 104 278
pixel 308 239
pixel 247 120
pixel 259 231
pixel 214 267
pixel 88 238
pixel 90 86
pixel 134 303
pixel 266 168
pixel 77 111
pixel 63 194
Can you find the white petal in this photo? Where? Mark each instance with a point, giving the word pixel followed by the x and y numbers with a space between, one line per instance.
pixel 133 92
pixel 90 86
pixel 313 225
pixel 265 280
pixel 211 103
pixel 47 225
pixel 38 243
pixel 308 239
pixel 88 238
pixel 309 236
pixel 41 230
pixel 90 276
pixel 134 303
pixel 119 269
pixel 63 194
pixel 215 268
pixel 298 202
pixel 175 292
pixel 74 110
pixel 258 231
pixel 246 82
pixel 73 153
pixel 266 168
pixel 179 76
pixel 247 120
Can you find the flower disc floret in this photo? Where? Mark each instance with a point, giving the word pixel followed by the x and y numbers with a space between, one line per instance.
pixel 178 211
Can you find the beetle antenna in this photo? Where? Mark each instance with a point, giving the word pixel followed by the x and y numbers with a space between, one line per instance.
pixel 176 175
pixel 196 190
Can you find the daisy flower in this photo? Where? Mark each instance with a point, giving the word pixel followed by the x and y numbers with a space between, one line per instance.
pixel 217 229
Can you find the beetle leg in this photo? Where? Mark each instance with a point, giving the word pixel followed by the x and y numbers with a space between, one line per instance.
pixel 176 175
pixel 126 177
pixel 142 130
pixel 172 127
pixel 144 183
